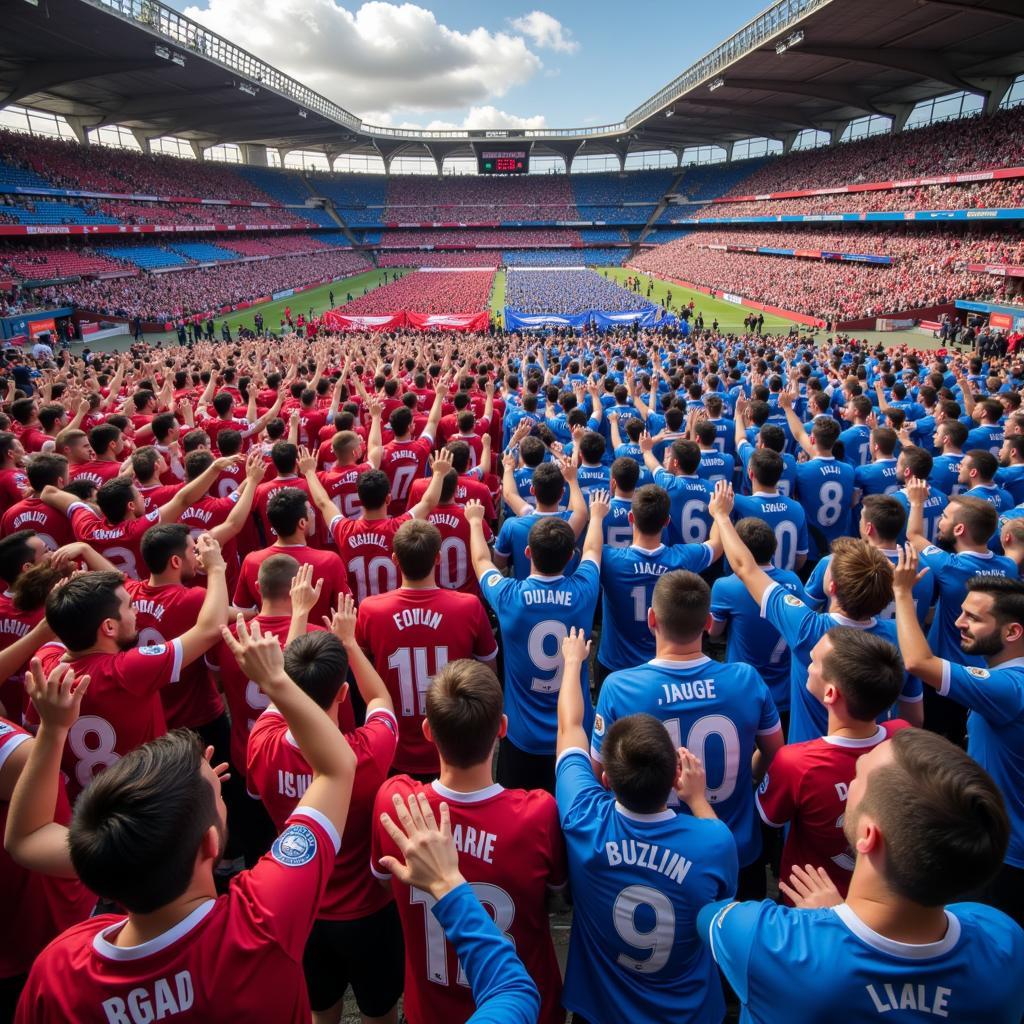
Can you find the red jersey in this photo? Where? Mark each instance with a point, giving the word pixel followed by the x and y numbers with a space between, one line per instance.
pixel 203 515
pixel 164 613
pixel 266 490
pixel 120 711
pixel 37 908
pixel 253 935
pixel 35 440
pixel 511 851
pixel 229 481
pixel 279 774
pixel 311 421
pixel 341 484
pixel 326 566
pixel 13 626
pixel 99 471
pixel 156 495
pixel 365 547
pixel 50 525
pixel 213 426
pixel 806 788
pixel 410 635
pixel 403 462
pixel 454 568
pixel 13 484
pixel 468 488
pixel 117 543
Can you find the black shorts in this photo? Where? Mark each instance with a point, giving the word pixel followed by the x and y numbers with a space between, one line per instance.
pixel 367 953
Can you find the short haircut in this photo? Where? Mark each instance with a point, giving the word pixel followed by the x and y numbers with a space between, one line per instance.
pixel 318 664
pixel 681 603
pixel 766 467
pixel 867 670
pixel 284 455
pixel 460 455
pixel 197 463
pixel 552 544
pixel 162 542
pixel 145 461
pixel 640 761
pixel 162 425
pixel 591 446
pixel 687 454
pixel 344 442
pixel 825 431
pixel 448 487
pixel 275 576
pixel 531 451
pixel 548 483
pixel 15 551
pixel 625 471
pixel 114 497
pixel 977 515
pixel 886 515
pixel 400 421
pixel 137 827
pixel 942 817
pixel 82 487
pixel 885 440
pixel 984 462
pixel 862 576
pixel 772 437
pixel 1007 596
pixel 918 461
pixel 759 538
pixel 955 431
pixel 286 509
pixel 103 437
pixel 464 709
pixel 416 545
pixel 194 439
pixel 651 508
pixel 45 469
pixel 76 610
pixel 374 489
pixel 229 442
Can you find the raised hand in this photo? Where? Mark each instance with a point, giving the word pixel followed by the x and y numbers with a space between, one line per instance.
pixel 473 510
pixel 907 570
pixel 693 780
pixel 575 646
pixel 209 553
pixel 56 696
pixel 722 500
pixel 259 656
pixel 810 887
pixel 304 593
pixel 342 622
pixel 431 861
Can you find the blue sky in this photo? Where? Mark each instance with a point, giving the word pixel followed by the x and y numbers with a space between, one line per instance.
pixel 439 63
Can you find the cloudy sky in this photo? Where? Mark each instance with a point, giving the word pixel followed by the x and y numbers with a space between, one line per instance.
pixel 456 63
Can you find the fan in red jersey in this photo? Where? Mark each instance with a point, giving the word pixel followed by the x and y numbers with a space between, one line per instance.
pixel 13 481
pixel 50 525
pixel 147 835
pixel 454 568
pixel 858 677
pixel 223 405
pixel 405 458
pixel 470 484
pixel 411 633
pixel 357 938
pixel 510 851
pixel 109 451
pixel 19 553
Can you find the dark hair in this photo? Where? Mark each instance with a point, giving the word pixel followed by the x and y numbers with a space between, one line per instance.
pixel 885 440
pixel 45 469
pixel 194 439
pixel 137 827
pixel 918 461
pixel 1007 596
pixel 978 516
pixel 286 509
pixel 766 467
pixel 759 538
pixel 318 664
pixel 552 543
pixel 681 603
pixel 114 496
pixel 400 421
pixel 162 542
pixel 82 487
pixel 625 471
pixel 464 709
pixel 651 508
pixel 275 575
pixel 460 455
pixel 103 437
pixel 591 446
pixel 76 611
pixel 15 551
pixel 144 461
pixel 955 431
pixel 687 454
pixel 984 462
pixel 162 425
pixel 548 483
pixel 284 455
pixel 640 761
pixel 374 489
pixel 867 670
pixel 416 545
pixel 885 514
pixel 229 442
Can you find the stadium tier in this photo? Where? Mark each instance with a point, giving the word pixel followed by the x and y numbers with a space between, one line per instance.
pixel 428 292
pixel 148 257
pixel 462 258
pixel 567 291
pixel 563 257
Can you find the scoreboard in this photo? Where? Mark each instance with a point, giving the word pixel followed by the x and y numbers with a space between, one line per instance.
pixel 503 161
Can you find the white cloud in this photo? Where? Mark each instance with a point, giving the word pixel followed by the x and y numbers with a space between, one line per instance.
pixel 546 32
pixel 477 117
pixel 379 57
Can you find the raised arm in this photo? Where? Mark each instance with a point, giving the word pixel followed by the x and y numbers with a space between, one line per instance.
pixel 741 561
pixel 647 449
pixel 371 687
pixel 440 467
pixel 575 653
pixel 509 491
pixel 434 416
pixel 479 552
pixel 917 655
pixel 214 611
pixel 195 489
pixel 577 502
pixel 795 426
pixel 324 505
pixel 917 493
pixel 594 540
pixel 255 469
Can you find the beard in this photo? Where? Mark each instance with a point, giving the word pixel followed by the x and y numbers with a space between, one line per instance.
pixel 944 543
pixel 127 643
pixel 986 646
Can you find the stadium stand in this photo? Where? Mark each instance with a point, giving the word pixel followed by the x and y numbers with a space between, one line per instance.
pixel 428 292
pixel 148 257
pixel 567 291
pixel 201 252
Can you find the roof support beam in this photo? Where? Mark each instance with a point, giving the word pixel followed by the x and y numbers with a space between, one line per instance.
pixel 927 64
pixel 848 96
pixel 81 127
pixel 47 75
pixel 993 88
pixel 1010 9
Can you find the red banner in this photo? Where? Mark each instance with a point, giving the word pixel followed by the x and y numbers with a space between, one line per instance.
pixel 449 321
pixel 1003 320
pixel 37 327
pixel 337 321
pixel 998 269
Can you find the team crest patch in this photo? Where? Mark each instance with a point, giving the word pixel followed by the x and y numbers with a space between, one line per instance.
pixel 793 601
pixel 153 650
pixel 763 788
pixel 295 846
pixel 5 728
pixel 598 725
pixel 978 673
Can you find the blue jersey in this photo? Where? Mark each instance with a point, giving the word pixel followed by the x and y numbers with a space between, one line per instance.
pixel 617 531
pixel 593 478
pixel 857 444
pixel 952 570
pixel 715 466
pixel 790 966
pixel 825 489
pixel 923 434
pixel 689 496
pixel 628 576
pixel 995 732
pixel 1012 478
pixel 802 629
pixel 945 474
pixel 717 711
pixel 512 538
pixel 924 589
pixel 878 477
pixel 751 640
pixel 639 881
pixel 725 435
pixel 535 615
pixel 931 512
pixel 786 518
pixel 988 436
pixel 994 495
pixel 787 482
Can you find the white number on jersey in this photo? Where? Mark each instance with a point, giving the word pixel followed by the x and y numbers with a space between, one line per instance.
pixel 658 941
pixel 414 675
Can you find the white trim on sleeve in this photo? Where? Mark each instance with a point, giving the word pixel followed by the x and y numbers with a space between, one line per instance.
pixel 304 811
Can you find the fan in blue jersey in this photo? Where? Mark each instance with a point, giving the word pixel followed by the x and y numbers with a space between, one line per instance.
pixel 639 871
pixel 724 713
pixel 950 437
pixel 714 464
pixel 879 476
pixel 785 516
pixel 625 476
pixel 725 428
pixel 534 616
pixel 825 484
pixel 531 453
pixel 1011 467
pixel 928 826
pixel 629 446
pixel 990 433
pixel 991 628
pixel 915 463
pixel 859 585
pixel 773 438
pixel 977 473
pixel 502 990
pixel 750 640
pixel 548 484
pixel 690 522
pixel 628 576
pixel 593 474
pixel 857 437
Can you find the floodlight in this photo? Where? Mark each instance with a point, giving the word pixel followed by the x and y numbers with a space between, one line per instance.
pixel 716 84
pixel 249 90
pixel 178 58
pixel 162 51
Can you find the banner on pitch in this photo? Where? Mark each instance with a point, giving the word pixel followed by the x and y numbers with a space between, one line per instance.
pixel 599 319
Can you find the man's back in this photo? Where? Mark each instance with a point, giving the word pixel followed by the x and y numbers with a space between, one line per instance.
pixel 454 570
pixel 365 547
pixel 50 526
pixel 690 522
pixel 787 520
pixel 825 488
pixel 325 566
pixel 403 462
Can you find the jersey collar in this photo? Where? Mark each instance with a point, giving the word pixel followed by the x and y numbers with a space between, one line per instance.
pixel 679 665
pixel 474 797
pixel 903 950
pixel 665 815
pixel 107 949
pixel 1012 663
pixel 849 741
pixel 844 621
pixel 647 551
pixel 545 579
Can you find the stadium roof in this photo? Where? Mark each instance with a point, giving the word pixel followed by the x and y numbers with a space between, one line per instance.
pixel 800 64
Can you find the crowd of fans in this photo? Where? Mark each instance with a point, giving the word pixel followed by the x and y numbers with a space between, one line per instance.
pixel 567 291
pixel 563 257
pixel 428 292
pixel 482 236
pixel 466 258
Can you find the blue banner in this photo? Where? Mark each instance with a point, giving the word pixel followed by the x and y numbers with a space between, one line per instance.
pixel 1014 213
pixel 597 318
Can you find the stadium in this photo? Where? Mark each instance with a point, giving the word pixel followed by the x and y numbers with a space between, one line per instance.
pixel 505 573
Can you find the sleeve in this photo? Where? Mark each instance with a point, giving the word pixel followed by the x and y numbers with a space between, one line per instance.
pixel 776 797
pixel 485 647
pixel 604 716
pixel 814 588
pixel 769 721
pixel 576 788
pixel 721 608
pixel 729 929
pixel 282 892
pixel 935 558
pixel 83 520
pixel 380 842
pixel 787 613
pixel 503 544
pixel 381 732
pixel 995 695
pixel 554 844
pixel 502 990
pixel 244 597
pixel 495 587
pixel 143 670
